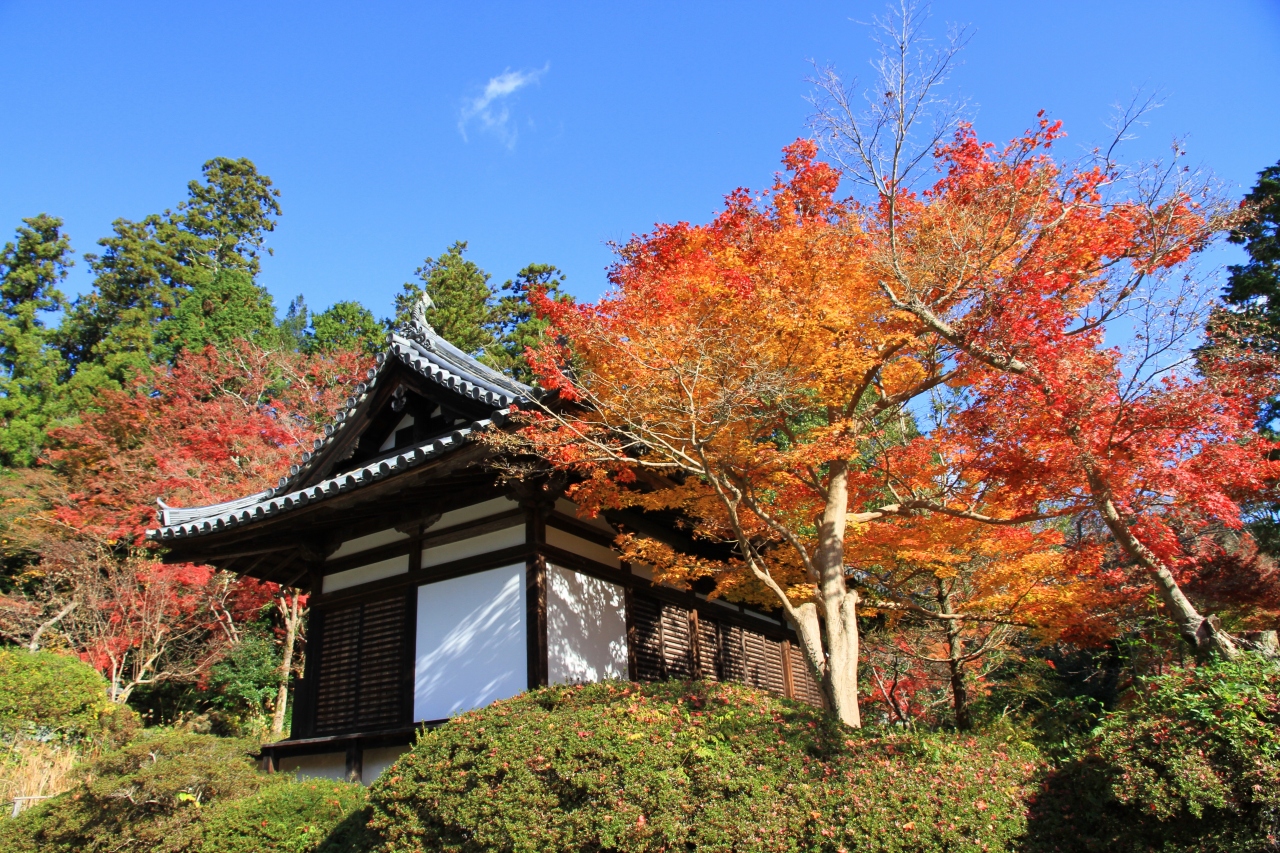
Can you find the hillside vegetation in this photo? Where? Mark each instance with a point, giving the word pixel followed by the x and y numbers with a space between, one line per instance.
pixel 703 766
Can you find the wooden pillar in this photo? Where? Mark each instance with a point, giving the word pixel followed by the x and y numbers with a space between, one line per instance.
pixel 409 651
pixel 630 619
pixel 787 677
pixel 535 590
pixel 695 643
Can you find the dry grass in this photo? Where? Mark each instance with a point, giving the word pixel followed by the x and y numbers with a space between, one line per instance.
pixel 31 768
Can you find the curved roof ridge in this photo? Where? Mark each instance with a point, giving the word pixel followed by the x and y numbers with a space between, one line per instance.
pixel 415 344
pixel 195 521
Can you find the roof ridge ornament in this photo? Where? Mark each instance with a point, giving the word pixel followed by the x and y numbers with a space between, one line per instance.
pixel 418 329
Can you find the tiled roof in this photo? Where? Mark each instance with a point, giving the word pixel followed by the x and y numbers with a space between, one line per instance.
pixel 182 523
pixel 416 345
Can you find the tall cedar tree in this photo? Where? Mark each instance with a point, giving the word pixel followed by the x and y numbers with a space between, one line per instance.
pixel 462 309
pixel 1254 287
pixel 31 269
pixel 146 268
pixel 1252 318
pixel 344 327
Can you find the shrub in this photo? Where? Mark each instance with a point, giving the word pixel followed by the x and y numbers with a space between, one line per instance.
pixel 704 766
pixel 1191 762
pixel 144 796
pixel 294 817
pixel 243 686
pixel 49 695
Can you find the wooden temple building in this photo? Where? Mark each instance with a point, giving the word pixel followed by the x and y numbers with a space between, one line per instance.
pixel 436 589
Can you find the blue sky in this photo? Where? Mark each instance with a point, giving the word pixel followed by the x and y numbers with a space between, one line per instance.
pixel 540 132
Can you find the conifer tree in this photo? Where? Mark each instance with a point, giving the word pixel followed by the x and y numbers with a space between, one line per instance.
pixel 31 269
pixel 147 267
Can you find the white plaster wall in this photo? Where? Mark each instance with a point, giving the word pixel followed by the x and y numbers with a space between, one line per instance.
pixel 364 574
pixel 582 547
pixel 570 508
pixel 375 761
pixel 475 511
pixel 586 628
pixel 330 765
pixel 364 543
pixel 482 544
pixel 471 644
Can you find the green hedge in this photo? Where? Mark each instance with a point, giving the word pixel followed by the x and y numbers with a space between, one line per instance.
pixel 146 796
pixel 179 792
pixel 675 766
pixel 294 817
pixel 49 695
pixel 1190 763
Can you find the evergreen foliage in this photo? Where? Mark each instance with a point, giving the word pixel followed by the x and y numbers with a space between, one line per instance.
pixel 1255 286
pixel 220 310
pixel 147 796
pixel 147 268
pixel 243 684
pixel 495 326
pixel 317 815
pixel 462 309
pixel 521 327
pixel 31 269
pixel 701 766
pixel 49 695
pixel 344 326
pixel 1190 763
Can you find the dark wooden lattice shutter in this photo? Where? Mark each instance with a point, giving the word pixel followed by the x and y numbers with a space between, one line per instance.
pixel 803 686
pixel 339 655
pixel 764 663
pixel 381 649
pixel 663 639
pixel 677 642
pixel 708 649
pixel 733 658
pixel 360 667
pixel 646 617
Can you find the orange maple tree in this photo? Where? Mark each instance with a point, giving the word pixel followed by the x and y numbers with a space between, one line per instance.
pixel 1020 267
pixel 759 376
pixel 747 374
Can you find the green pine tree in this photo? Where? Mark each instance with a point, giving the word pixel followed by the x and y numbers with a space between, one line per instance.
pixel 1254 287
pixel 224 308
pixel 464 311
pixel 31 269
pixel 146 268
pixel 520 327
pixel 345 325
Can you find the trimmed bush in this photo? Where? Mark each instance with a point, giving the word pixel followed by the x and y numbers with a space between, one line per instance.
pixel 317 815
pixel 143 797
pixel 624 767
pixel 49 695
pixel 1190 763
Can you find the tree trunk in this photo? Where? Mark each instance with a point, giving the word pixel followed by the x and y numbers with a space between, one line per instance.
pixel 1198 630
pixel 290 614
pixel 955 661
pixel 34 645
pixel 838 604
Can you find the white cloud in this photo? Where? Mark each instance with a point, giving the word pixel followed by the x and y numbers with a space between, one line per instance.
pixel 490 110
